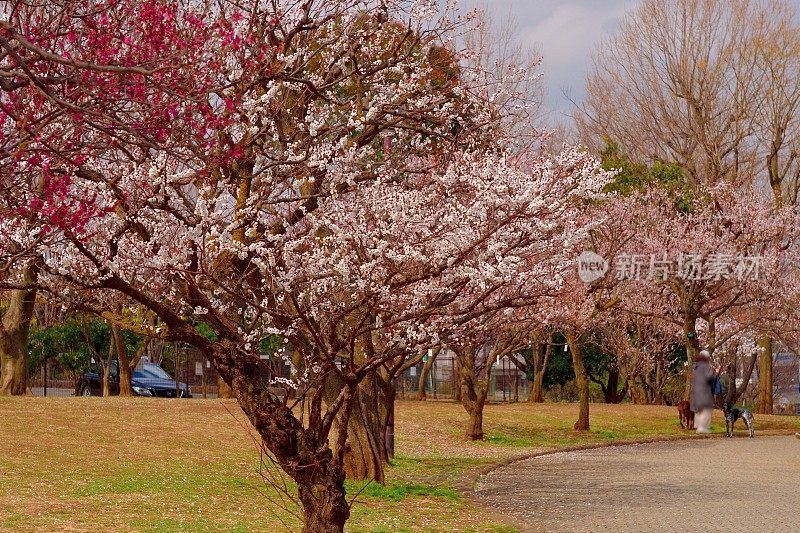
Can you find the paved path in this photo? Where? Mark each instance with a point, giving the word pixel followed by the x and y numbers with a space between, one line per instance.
pixel 708 485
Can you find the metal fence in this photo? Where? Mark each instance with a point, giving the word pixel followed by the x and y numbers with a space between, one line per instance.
pixel 189 370
pixel 507 383
pixel 189 367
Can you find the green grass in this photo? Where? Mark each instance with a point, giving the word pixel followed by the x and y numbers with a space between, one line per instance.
pixel 166 525
pixel 13 520
pixel 394 492
pixel 505 440
pixel 127 483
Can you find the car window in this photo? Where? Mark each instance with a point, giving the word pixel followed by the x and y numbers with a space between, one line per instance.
pixel 150 371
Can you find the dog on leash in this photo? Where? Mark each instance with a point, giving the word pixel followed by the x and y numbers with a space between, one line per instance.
pixel 686 415
pixel 734 414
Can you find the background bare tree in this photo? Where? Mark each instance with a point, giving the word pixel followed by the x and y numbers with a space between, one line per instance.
pixel 506 70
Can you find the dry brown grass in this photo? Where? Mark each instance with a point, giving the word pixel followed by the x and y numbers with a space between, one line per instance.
pixel 94 464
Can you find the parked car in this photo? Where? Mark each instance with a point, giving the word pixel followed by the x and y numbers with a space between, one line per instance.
pixel 148 379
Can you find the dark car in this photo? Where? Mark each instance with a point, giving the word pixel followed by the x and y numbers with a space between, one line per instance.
pixel 148 379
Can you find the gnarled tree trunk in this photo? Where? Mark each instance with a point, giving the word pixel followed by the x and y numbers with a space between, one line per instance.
pixel 302 452
pixel 325 509
pixel 13 366
pixel 14 328
pixel 474 387
pixel 474 407
pixel 473 396
pixel 365 454
pixel 369 444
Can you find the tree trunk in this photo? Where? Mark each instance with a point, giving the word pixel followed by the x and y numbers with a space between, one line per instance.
pixel 14 328
pixel 692 349
pixel 764 402
pixel 659 381
pixel 638 394
pixel 531 385
pixel 623 393
pixel 540 367
pixel 611 393
pixel 457 372
pixel 516 386
pixel 13 367
pixel 106 378
pixel 475 422
pixel 325 509
pixel 389 394
pixel 473 398
pixel 731 373
pixel 302 452
pixel 474 390
pixel 423 376
pixel 368 445
pixel 125 387
pixel 224 390
pixel 537 391
pixel 734 392
pixel 582 382
pixel 365 455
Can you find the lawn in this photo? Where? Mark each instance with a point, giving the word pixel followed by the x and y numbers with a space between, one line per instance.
pixel 150 465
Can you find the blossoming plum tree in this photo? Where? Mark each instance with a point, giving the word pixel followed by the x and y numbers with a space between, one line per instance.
pixel 315 171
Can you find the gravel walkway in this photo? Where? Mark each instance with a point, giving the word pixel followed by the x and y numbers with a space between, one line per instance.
pixel 724 485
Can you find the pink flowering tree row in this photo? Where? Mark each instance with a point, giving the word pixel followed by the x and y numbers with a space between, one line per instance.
pixel 714 269
pixel 717 270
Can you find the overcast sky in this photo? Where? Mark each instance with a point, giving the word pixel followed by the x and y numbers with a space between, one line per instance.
pixel 567 32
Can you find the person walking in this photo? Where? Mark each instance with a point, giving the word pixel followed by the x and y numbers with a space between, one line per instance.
pixel 702 396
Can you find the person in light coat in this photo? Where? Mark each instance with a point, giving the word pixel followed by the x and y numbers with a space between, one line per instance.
pixel 701 401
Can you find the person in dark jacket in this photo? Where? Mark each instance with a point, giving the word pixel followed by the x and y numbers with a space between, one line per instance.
pixel 702 397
